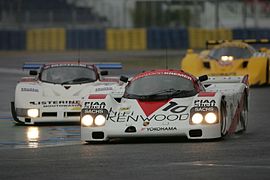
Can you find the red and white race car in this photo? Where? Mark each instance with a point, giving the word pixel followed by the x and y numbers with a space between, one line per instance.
pixel 167 103
pixel 54 91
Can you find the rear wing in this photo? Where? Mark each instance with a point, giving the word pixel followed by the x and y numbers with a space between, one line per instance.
pixel 248 41
pixel 226 79
pixel 38 66
pixel 109 65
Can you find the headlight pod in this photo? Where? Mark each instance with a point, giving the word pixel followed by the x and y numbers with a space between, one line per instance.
pixel 100 120
pixel 204 118
pixel 24 112
pixel 226 58
pixel 210 118
pixel 197 118
pixel 33 113
pixel 87 120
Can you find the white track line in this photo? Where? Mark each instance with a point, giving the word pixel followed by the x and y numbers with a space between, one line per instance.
pixel 205 164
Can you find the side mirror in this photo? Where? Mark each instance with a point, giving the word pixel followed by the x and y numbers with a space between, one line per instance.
pixel 104 73
pixel 124 79
pixel 203 78
pixel 33 73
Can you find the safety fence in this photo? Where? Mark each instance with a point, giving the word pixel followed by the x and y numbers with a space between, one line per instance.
pixel 59 39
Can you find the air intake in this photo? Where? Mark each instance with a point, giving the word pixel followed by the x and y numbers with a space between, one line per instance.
pixel 49 114
pixel 195 133
pixel 130 129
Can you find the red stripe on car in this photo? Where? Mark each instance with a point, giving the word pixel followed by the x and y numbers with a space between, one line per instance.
pixel 206 94
pixel 97 96
pixel 27 79
pixel 245 80
pixel 149 107
pixel 236 116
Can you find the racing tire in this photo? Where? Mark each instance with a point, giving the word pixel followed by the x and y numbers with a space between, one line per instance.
pixel 223 122
pixel 244 115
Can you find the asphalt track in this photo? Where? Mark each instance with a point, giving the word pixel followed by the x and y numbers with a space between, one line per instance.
pixel 57 152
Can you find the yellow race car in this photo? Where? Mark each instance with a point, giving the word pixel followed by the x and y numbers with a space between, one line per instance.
pixel 228 58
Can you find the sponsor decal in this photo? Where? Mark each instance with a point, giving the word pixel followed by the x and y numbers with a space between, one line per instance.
pixel 157 129
pixel 124 109
pixel 175 108
pixel 150 107
pixel 146 123
pixel 95 105
pixel 73 103
pixel 76 108
pixel 204 102
pixel 204 109
pixel 115 116
pixel 104 89
pixel 29 90
pixel 94 111
pixel 173 73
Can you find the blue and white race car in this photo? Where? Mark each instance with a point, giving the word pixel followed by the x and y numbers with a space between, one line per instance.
pixel 54 91
pixel 167 103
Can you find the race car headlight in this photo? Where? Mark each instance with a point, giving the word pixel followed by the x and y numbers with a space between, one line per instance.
pixel 100 120
pixel 226 58
pixel 87 120
pixel 210 118
pixel 33 113
pixel 197 118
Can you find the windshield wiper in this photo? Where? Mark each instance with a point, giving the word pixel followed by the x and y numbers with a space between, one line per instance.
pixel 78 80
pixel 173 92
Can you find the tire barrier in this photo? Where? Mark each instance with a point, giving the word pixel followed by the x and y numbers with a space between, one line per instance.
pixel 251 33
pixel 167 38
pixel 46 39
pixel 51 39
pixel 85 39
pixel 12 40
pixel 126 39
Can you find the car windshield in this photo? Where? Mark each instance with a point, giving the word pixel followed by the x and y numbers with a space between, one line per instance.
pixel 68 75
pixel 235 52
pixel 156 87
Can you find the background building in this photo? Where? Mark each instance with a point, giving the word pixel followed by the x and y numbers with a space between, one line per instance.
pixel 135 13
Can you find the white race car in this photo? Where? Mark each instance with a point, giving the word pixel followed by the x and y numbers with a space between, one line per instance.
pixel 55 90
pixel 167 103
